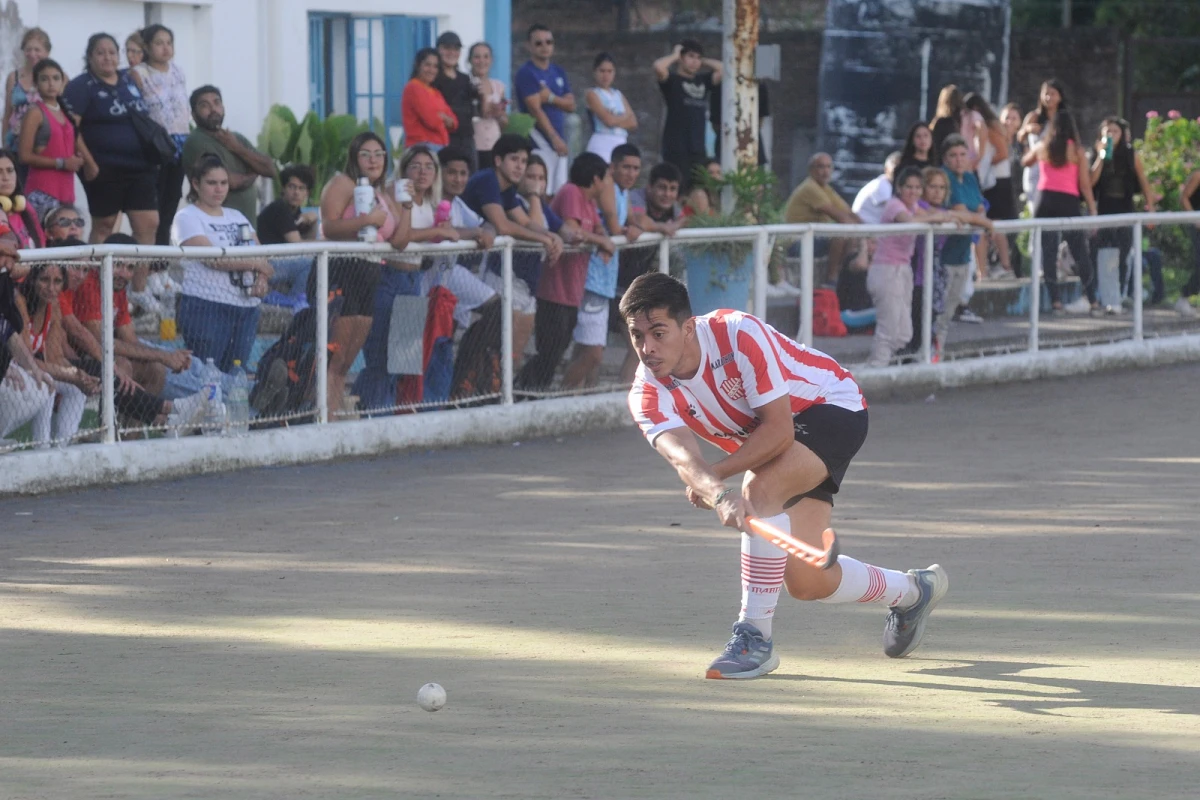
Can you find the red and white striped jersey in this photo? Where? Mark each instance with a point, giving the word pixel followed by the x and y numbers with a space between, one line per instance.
pixel 744 364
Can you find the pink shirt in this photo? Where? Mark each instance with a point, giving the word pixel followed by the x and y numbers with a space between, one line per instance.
pixel 562 282
pixel 895 249
pixel 388 228
pixel 1063 179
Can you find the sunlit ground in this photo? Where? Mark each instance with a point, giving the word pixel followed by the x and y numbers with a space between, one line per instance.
pixel 263 634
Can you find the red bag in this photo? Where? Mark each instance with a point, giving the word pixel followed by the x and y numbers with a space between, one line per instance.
pixel 827 316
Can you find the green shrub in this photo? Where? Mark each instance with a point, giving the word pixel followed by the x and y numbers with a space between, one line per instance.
pixel 1168 152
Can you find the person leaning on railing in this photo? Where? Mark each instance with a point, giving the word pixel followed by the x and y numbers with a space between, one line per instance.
pixel 26 390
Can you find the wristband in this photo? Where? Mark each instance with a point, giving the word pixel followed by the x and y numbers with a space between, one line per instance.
pixel 721 497
pixel 60 163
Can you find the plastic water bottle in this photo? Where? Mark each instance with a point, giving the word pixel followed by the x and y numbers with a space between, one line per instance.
pixel 214 406
pixel 364 203
pixel 239 401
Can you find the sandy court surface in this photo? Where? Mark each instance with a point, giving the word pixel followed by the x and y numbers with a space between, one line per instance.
pixel 263 634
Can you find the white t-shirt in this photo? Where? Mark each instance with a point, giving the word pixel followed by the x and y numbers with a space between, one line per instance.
pixel 871 199
pixel 203 281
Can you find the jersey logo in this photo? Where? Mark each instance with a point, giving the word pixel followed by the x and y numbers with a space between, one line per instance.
pixel 733 388
pixel 722 361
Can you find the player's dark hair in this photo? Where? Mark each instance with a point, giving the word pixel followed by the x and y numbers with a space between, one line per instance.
pixel 654 290
pixel 665 171
pixel 301 172
pixel 508 144
pixel 691 46
pixel 626 150
pixel 586 169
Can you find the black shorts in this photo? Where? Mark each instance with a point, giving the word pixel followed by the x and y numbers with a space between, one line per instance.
pixel 117 189
pixel 356 279
pixel 835 435
pixel 1001 204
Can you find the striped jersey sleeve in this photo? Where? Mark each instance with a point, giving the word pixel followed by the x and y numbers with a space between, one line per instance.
pixel 652 407
pixel 758 358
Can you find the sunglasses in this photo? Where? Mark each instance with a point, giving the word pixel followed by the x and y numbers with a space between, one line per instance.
pixel 69 222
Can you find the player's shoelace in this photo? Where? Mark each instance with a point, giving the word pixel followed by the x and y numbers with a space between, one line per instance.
pixel 739 643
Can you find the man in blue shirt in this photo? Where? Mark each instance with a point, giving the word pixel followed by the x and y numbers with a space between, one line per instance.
pixel 542 90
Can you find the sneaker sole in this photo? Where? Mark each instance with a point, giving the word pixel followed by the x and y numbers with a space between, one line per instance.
pixel 941 585
pixel 770 665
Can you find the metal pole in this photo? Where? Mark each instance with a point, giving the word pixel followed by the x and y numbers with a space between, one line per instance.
pixel 323 337
pixel 762 255
pixel 664 256
pixel 927 300
pixel 1137 282
pixel 506 325
pixel 739 90
pixel 108 367
pixel 805 334
pixel 1035 288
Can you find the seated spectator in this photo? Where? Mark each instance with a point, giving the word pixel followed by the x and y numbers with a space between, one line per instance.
pixel 355 279
pixel 874 195
pixel 704 198
pixel 612 118
pixel 50 147
pixel 21 220
pixel 656 208
pixel 219 308
pixel 47 341
pixel 493 106
pixel 63 222
pixel 26 391
pixel 561 288
pixel 815 200
pixel 243 163
pixel 426 116
pixel 286 222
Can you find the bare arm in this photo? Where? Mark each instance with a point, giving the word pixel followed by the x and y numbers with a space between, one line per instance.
pixel 629 120
pixel 574 233
pixel 336 197
pixel 717 69
pixel 644 221
pixel 1031 158
pixel 1085 181
pixel 999 140
pixel 1189 188
pixel 662 66
pixel 534 104
pixel 1097 164
pixel 682 451
pixel 597 108
pixel 8 109
pixel 773 437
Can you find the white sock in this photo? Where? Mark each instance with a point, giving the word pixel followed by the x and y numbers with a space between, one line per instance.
pixel 863 583
pixel 762 577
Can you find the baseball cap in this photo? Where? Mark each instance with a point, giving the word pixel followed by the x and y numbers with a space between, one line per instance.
pixel 449 39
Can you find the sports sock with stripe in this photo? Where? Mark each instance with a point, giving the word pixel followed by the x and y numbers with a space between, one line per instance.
pixel 762 577
pixel 863 583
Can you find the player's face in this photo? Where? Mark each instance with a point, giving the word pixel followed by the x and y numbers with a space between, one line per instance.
pixel 659 340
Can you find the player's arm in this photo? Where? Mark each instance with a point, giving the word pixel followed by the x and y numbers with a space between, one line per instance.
pixel 770 439
pixel 681 450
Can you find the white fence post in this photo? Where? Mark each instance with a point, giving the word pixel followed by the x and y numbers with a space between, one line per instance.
pixel 506 325
pixel 805 334
pixel 664 255
pixel 927 300
pixel 322 360
pixel 1035 287
pixel 762 255
pixel 1138 330
pixel 108 366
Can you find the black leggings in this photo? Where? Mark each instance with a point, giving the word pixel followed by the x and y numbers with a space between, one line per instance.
pixel 170 189
pixel 552 329
pixel 1120 238
pixel 1055 205
pixel 139 404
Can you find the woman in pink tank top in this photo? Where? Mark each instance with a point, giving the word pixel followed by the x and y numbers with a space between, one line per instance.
pixel 354 278
pixel 50 146
pixel 1062 182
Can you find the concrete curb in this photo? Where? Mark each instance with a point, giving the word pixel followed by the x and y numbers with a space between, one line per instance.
pixel 130 462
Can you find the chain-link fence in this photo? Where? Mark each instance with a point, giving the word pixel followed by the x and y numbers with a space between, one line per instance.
pixel 124 342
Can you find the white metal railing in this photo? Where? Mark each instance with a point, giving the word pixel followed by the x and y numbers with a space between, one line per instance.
pixel 761 238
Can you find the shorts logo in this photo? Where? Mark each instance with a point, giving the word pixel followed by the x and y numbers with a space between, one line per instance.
pixel 733 388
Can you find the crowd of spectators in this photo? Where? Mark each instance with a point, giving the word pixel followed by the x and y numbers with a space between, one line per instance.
pixel 141 142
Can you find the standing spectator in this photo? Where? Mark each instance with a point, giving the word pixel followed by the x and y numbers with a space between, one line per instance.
pixel 561 288
pixel 427 118
pixel 1063 177
pixel 26 391
pixel 357 278
pixel 612 118
pixel 242 161
pixel 918 150
pixel 20 88
pixel 686 91
pixel 460 92
pixel 815 200
pixel 489 123
pixel 135 49
pixel 164 88
pixel 1117 175
pixel 542 90
pixel 947 118
pixel 1051 99
pixel 218 312
pixel 20 222
pixel 1011 117
pixel 1190 200
pixel 873 197
pixel 46 340
pixel 966 198
pixel 101 99
pixel 994 171
pixel 890 277
pixel 49 146
pixel 286 222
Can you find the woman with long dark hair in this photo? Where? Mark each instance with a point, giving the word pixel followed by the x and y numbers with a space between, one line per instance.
pixel 948 117
pixel 918 148
pixel 1117 175
pixel 1063 180
pixel 994 171
pixel 427 117
pixel 1051 98
pixel 15 211
pixel 612 118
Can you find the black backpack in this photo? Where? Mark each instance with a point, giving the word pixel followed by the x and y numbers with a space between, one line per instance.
pixel 296 351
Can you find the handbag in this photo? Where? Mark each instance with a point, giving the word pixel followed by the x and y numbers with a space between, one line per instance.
pixel 157 145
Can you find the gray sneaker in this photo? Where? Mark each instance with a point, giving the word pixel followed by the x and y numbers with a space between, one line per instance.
pixel 903 629
pixel 748 655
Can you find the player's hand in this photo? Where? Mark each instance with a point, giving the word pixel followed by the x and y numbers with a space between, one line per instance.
pixel 696 499
pixel 733 510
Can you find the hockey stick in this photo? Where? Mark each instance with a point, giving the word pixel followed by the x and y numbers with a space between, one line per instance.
pixel 820 558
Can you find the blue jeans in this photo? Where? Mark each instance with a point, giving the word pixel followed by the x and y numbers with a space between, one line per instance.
pixel 291 273
pixel 218 331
